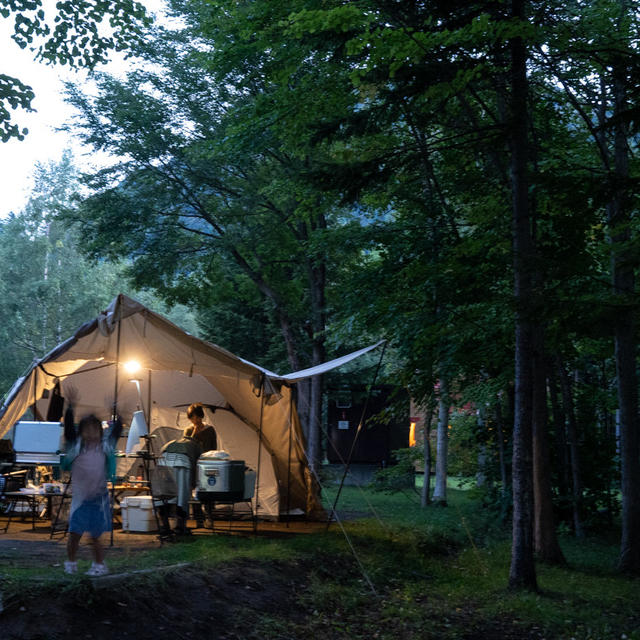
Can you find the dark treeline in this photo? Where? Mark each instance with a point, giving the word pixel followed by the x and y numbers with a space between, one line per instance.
pixel 458 177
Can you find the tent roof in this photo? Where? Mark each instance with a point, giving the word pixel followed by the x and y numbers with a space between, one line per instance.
pixel 127 330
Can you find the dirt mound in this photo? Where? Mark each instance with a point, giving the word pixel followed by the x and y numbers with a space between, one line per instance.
pixel 185 602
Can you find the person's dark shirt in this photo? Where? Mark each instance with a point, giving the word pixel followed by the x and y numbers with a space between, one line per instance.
pixel 206 437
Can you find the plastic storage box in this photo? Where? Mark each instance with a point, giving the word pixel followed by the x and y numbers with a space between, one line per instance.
pixel 137 513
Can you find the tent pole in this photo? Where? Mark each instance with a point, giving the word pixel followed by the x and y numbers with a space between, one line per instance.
pixel 35 382
pixel 291 393
pixel 114 413
pixel 355 438
pixel 255 522
pixel 149 400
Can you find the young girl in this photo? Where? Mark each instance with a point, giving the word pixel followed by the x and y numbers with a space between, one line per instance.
pixel 90 456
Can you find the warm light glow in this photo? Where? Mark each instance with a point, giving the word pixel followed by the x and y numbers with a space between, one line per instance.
pixel 133 366
pixel 412 434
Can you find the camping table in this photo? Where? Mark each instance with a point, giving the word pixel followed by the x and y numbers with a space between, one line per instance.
pixel 31 498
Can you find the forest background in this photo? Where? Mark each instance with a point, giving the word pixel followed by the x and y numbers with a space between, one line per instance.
pixel 458 178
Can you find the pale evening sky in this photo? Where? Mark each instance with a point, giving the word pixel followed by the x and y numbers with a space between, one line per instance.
pixel 43 142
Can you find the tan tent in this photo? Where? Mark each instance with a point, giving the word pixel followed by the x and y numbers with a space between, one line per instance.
pixel 254 410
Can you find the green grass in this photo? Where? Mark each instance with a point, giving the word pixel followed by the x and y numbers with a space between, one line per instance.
pixel 463 552
pixel 435 572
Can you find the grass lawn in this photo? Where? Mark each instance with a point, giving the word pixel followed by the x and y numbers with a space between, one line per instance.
pixel 390 569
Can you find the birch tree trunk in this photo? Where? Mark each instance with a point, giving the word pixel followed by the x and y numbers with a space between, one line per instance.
pixel 425 498
pixel 442 445
pixel 317 276
pixel 481 474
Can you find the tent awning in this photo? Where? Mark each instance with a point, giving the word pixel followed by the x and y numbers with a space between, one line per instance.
pixel 326 366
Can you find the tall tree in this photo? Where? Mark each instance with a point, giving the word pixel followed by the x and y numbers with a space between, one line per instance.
pixel 444 405
pixel 218 188
pixel 522 572
pixel 600 85
pixel 624 262
pixel 544 535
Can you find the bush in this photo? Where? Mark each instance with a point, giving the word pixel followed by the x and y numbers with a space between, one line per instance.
pixel 399 476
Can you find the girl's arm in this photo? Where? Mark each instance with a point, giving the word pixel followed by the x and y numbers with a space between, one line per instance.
pixel 115 430
pixel 69 427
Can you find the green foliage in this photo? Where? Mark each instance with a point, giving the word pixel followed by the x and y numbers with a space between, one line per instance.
pixel 13 95
pixel 79 34
pixel 401 475
pixel 465 439
pixel 343 169
pixel 213 208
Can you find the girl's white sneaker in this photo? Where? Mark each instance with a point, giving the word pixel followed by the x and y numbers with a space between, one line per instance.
pixel 70 567
pixel 97 570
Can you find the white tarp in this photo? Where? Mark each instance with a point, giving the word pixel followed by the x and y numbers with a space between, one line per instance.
pixel 327 366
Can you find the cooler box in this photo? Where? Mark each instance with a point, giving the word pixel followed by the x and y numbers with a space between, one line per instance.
pixel 137 513
pixel 220 479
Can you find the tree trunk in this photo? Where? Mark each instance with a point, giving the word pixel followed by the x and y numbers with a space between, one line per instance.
pixel 500 443
pixel 544 531
pixel 559 432
pixel 572 433
pixel 425 498
pixel 303 404
pixel 442 445
pixel 316 273
pixel 481 475
pixel 622 267
pixel 522 572
pixel 314 449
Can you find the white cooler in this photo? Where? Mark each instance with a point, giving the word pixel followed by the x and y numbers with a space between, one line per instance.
pixel 220 480
pixel 137 513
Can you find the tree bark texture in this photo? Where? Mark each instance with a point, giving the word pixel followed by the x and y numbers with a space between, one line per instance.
pixel 574 454
pixel 522 572
pixel 425 495
pixel 442 445
pixel 500 444
pixel 545 539
pixel 316 273
pixel 559 431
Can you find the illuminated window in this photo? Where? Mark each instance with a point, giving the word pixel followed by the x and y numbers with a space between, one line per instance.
pixel 412 434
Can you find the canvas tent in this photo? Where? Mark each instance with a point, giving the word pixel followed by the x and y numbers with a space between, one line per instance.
pixel 252 409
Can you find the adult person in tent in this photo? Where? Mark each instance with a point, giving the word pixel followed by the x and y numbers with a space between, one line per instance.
pixel 206 435
pixel 90 456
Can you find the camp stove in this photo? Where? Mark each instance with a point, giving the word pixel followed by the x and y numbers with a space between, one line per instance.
pixel 220 479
